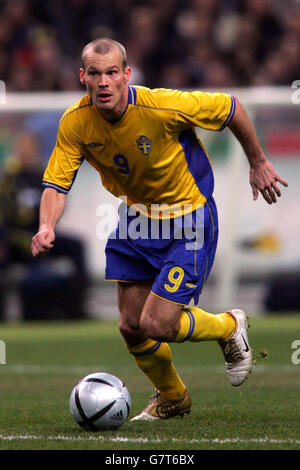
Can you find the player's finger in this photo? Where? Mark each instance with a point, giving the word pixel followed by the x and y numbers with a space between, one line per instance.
pixel 34 250
pixel 267 196
pixel 254 192
pixel 40 246
pixel 46 245
pixel 282 181
pixel 44 240
pixel 272 194
pixel 276 189
pixel 38 251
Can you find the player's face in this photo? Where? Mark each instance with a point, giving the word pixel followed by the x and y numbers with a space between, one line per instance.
pixel 106 82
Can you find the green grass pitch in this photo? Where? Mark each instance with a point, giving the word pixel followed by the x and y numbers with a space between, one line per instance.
pixel 45 361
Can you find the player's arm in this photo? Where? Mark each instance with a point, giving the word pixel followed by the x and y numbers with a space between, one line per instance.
pixel 263 177
pixel 51 209
pixel 58 179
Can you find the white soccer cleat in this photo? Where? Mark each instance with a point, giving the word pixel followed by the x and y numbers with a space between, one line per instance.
pixel 236 350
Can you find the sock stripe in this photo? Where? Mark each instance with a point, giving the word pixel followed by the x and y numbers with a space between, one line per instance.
pixel 192 324
pixel 151 350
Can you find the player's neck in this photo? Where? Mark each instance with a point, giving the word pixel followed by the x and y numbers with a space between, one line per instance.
pixel 114 115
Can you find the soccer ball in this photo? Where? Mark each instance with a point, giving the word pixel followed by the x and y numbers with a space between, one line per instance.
pixel 100 401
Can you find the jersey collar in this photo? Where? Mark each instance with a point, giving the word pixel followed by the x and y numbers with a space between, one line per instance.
pixel 131 95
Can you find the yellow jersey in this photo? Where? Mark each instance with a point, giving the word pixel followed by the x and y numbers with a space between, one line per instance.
pixel 151 155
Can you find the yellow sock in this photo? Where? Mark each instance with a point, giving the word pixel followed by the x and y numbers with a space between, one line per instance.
pixel 197 325
pixel 155 360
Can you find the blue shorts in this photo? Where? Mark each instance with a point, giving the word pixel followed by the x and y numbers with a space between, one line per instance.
pixel 175 254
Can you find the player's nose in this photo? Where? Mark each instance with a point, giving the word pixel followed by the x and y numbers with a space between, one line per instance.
pixel 102 81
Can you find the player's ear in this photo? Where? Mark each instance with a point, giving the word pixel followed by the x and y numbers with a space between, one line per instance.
pixel 81 76
pixel 127 74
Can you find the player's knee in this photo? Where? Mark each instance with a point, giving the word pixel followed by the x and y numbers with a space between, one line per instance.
pixel 124 328
pixel 156 328
pixel 128 327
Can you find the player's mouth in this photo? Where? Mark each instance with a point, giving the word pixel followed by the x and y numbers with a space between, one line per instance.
pixel 104 97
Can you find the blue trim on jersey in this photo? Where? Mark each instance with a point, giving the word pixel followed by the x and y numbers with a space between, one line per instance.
pixel 131 95
pixel 192 324
pixel 61 189
pixel 129 101
pixel 58 188
pixel 75 173
pixel 231 112
pixel 198 162
pixel 152 350
pixel 134 94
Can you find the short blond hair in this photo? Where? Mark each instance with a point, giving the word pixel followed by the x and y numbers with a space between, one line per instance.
pixel 103 46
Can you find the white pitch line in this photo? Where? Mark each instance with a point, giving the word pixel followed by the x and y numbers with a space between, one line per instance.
pixel 235 440
pixel 71 370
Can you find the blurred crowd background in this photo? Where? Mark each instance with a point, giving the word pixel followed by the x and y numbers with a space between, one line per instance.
pixel 185 44
pixel 170 43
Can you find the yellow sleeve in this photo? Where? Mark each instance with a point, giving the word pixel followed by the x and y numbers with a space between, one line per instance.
pixel 66 157
pixel 212 111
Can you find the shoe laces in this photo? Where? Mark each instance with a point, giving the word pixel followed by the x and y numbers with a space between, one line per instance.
pixel 156 395
pixel 163 409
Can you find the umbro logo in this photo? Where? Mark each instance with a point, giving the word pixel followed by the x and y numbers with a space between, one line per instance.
pixel 94 144
pixel 189 284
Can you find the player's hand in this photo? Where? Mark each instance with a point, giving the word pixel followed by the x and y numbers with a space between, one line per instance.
pixel 42 242
pixel 264 179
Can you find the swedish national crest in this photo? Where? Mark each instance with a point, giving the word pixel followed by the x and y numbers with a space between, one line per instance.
pixel 144 144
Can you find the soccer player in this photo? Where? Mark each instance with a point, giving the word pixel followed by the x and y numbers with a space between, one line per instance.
pixel 143 144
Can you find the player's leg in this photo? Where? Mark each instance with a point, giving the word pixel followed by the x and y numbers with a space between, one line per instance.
pixel 153 357
pixel 127 260
pixel 131 299
pixel 166 321
pixel 194 324
pixel 160 320
pixel 181 279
